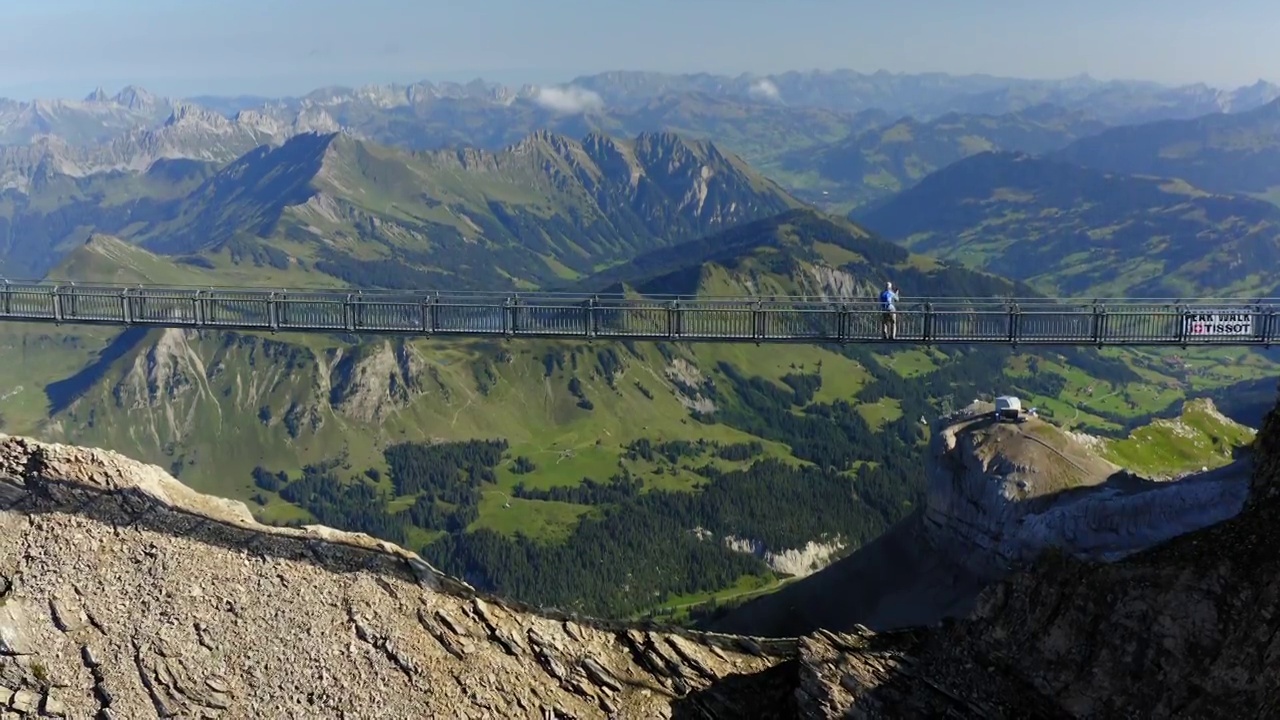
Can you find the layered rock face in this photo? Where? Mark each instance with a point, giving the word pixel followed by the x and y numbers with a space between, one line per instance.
pixel 123 594
pixel 1001 494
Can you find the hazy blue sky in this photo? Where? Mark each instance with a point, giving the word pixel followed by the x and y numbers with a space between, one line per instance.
pixel 187 47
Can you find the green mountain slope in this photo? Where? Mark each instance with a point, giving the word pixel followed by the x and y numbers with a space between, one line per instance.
pixel 546 207
pixel 612 477
pixel 1073 231
pixel 1235 153
pixel 367 215
pixel 878 162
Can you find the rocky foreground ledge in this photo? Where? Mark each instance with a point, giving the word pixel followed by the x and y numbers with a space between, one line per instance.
pixel 124 594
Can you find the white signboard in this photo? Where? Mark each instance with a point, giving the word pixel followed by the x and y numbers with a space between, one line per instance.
pixel 1220 324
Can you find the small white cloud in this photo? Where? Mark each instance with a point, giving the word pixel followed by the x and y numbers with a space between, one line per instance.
pixel 569 100
pixel 764 88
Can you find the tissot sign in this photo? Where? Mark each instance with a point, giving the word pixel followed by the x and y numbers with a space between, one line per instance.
pixel 1220 323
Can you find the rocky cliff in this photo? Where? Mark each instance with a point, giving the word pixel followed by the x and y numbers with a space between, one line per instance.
pixel 999 496
pixel 124 594
pixel 1188 629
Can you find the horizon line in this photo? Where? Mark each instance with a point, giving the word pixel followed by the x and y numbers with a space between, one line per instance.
pixel 93 87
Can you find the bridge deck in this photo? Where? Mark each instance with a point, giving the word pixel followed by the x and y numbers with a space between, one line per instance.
pixel 1025 321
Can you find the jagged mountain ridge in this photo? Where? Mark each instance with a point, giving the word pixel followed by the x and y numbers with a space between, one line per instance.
pixel 188 133
pixel 791 110
pixel 924 95
pixel 468 218
pixel 1072 231
pixel 1067 639
pixel 94 119
pixel 429 120
pixel 543 207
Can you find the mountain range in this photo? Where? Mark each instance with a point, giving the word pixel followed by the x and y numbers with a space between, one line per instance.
pixel 835 139
pixel 1074 231
pixel 925 95
pixel 545 207
pixel 878 162
pixel 622 456
pixel 1233 153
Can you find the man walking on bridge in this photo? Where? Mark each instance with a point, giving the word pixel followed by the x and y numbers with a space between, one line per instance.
pixel 889 321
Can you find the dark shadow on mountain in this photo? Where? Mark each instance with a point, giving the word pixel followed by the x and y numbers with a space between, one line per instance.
pixel 897 580
pixel 260 185
pixel 677 269
pixel 887 675
pixel 1246 402
pixel 765 695
pixel 62 393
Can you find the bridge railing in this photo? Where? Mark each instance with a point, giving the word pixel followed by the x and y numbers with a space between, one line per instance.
pixel 1038 321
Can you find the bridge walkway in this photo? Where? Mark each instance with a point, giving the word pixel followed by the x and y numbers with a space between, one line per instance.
pixel 814 320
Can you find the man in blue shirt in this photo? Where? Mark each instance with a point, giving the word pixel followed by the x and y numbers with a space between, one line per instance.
pixel 889 321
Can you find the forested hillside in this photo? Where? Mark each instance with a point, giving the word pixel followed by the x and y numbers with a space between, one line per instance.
pixel 615 478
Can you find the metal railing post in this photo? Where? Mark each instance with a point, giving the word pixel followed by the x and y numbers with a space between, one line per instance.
pixel 8 299
pixel 928 324
pixel 1259 331
pixel 272 313
pixel 1099 318
pixel 56 300
pixel 1015 317
pixel 592 318
pixel 283 319
pixel 1184 319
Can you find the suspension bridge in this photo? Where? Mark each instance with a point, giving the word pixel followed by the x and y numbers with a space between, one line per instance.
pixel 813 320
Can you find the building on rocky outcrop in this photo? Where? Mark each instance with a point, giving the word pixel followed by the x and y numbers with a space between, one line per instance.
pixel 124 594
pixel 999 496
